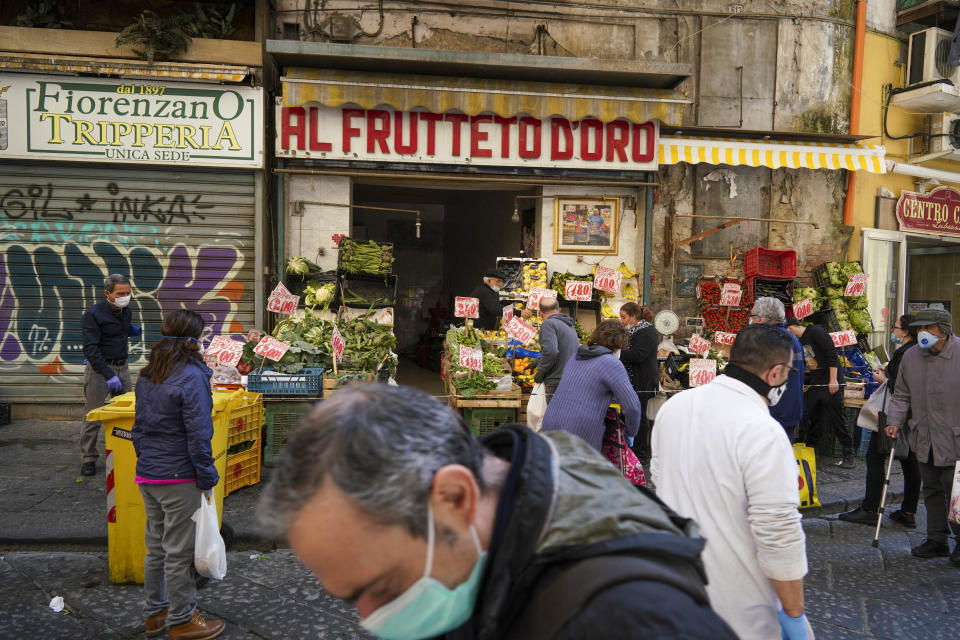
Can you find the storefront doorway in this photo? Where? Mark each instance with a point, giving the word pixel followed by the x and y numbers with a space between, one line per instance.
pixel 464 228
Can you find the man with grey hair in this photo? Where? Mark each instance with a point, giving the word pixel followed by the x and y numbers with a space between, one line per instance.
pixel 926 402
pixel 430 533
pixel 106 328
pixel 558 343
pixel 789 410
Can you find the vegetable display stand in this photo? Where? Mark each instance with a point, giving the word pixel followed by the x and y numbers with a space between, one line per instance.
pixel 335 381
pixel 482 421
pixel 307 383
pixel 770 263
pixel 243 469
pixel 279 418
pixel 488 411
pixel 364 291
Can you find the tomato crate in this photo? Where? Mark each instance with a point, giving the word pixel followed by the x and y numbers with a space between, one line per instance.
pixel 307 383
pixel 482 421
pixel 242 470
pixel 280 418
pixel 770 263
pixel 244 417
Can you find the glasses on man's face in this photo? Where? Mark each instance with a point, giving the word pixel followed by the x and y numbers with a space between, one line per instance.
pixel 792 369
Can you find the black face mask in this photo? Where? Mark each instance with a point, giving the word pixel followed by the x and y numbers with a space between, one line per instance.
pixel 752 380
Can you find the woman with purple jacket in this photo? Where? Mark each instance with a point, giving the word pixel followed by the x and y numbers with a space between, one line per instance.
pixel 592 380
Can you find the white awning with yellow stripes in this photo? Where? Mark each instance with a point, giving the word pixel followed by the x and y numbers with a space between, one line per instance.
pixel 473 96
pixel 772 154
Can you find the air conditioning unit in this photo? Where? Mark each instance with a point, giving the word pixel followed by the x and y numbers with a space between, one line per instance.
pixel 945 134
pixel 929 50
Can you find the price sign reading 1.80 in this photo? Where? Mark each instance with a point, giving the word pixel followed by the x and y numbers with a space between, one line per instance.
pixel 521 331
pixel 471 358
pixel 579 290
pixel 271 348
pixel 466 307
pixel 702 371
pixel 607 279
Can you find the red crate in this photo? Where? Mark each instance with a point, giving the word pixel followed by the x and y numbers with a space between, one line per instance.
pixel 770 263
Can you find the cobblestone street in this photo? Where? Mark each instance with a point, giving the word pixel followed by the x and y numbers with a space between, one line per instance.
pixel 852 590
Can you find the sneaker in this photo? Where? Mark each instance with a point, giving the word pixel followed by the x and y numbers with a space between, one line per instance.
pixel 88 469
pixel 156 623
pixel 906 519
pixel 931 549
pixel 860 516
pixel 846 462
pixel 197 628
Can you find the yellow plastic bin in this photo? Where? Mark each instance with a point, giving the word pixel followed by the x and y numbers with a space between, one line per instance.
pixel 126 518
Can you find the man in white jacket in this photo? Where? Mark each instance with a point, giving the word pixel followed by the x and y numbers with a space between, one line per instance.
pixel 721 459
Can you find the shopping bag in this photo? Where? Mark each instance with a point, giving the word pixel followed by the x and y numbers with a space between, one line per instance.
pixel 209 552
pixel 807 475
pixel 537 406
pixel 953 514
pixel 614 448
pixel 870 412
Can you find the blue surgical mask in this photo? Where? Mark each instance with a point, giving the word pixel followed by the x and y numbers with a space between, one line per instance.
pixel 896 339
pixel 925 339
pixel 428 608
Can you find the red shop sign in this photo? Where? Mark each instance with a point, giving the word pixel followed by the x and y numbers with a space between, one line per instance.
pixel 934 212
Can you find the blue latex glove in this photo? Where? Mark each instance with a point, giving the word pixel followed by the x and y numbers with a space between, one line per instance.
pixel 135 331
pixel 629 441
pixel 115 385
pixel 792 628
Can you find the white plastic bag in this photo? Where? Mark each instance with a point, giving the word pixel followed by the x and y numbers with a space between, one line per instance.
pixel 953 513
pixel 209 552
pixel 505 383
pixel 537 406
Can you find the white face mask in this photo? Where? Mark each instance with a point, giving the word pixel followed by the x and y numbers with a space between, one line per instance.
pixel 617 353
pixel 121 301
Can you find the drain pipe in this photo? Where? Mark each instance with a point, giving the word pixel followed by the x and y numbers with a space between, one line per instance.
pixel 918 171
pixel 855 103
pixel 648 242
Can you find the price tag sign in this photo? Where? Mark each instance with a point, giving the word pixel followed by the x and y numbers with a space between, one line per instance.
pixel 537 294
pixel 723 337
pixel 702 371
pixel 731 297
pixel 731 286
pixel 507 314
pixel 803 308
pixel 282 301
pixel 580 290
pixel 471 358
pixel 699 345
pixel 466 307
pixel 521 331
pixel 338 343
pixel 608 280
pixel 225 351
pixel 846 338
pixel 271 348
pixel 856 285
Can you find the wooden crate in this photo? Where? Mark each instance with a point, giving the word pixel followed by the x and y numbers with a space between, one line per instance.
pixel 507 399
pixel 330 381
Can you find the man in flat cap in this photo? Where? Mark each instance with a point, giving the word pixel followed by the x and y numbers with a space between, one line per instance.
pixel 491 309
pixel 927 404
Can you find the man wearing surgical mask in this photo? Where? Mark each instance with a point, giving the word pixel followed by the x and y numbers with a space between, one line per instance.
pixel 926 403
pixel 431 533
pixel 106 328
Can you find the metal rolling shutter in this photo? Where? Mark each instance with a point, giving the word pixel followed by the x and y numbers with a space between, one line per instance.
pixel 185 238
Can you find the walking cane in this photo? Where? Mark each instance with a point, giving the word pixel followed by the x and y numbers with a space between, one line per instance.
pixel 881 428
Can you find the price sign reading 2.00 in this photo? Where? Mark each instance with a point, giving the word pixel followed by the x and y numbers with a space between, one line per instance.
pixel 466 307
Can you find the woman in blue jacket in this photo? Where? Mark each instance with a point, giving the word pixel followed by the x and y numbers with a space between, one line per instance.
pixel 172 429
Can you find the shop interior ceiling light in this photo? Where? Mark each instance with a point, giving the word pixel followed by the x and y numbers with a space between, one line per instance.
pixel 515 218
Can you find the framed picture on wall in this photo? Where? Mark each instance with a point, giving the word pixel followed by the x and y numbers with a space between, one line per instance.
pixel 586 225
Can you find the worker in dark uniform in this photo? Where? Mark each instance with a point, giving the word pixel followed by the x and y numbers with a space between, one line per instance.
pixel 106 328
pixel 491 308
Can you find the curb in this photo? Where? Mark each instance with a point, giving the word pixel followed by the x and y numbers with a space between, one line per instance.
pixel 840 506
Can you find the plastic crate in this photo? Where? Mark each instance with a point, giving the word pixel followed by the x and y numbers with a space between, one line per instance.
pixel 482 421
pixel 822 279
pixel 279 418
pixel 770 263
pixel 243 469
pixel 308 383
pixel 244 417
pixel 827 318
pixel 782 290
pixel 5 414
pixel 366 291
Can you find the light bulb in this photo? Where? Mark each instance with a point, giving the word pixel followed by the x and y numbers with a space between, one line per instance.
pixel 515 218
pixel 418 229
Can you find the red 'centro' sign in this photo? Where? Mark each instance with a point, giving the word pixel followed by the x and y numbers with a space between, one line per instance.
pixel 456 138
pixel 934 212
pixel 466 307
pixel 580 290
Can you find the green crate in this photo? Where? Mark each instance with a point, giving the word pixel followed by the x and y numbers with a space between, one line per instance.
pixel 279 417
pixel 482 420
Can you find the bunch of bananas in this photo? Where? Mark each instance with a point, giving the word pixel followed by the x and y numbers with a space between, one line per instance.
pixel 607 311
pixel 629 292
pixel 626 271
pixel 534 275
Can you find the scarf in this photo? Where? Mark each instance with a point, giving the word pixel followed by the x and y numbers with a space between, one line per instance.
pixel 643 324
